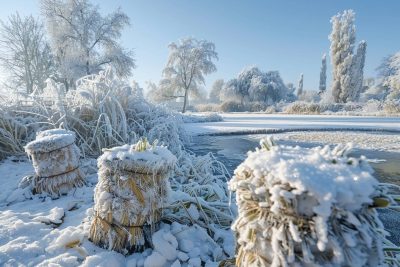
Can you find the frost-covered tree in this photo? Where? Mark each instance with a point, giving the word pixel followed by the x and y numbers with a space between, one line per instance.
pixel 188 62
pixel 162 92
pixel 256 86
pixel 322 75
pixel 238 89
pixel 342 40
pixel 216 90
pixel 24 53
pixel 300 87
pixel 137 91
pixel 357 73
pixel 84 41
pixel 389 71
pixel 268 88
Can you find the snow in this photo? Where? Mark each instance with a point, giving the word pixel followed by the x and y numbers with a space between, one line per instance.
pixel 281 189
pixel 41 231
pixel 157 157
pixel 363 140
pixel 246 123
pixel 50 140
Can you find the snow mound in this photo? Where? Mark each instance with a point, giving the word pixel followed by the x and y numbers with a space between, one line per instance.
pixel 302 206
pixel 121 157
pixel 50 140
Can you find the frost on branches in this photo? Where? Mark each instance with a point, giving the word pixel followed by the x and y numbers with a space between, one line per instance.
pixel 347 68
pixel 55 158
pixel 132 189
pixel 390 73
pixel 309 207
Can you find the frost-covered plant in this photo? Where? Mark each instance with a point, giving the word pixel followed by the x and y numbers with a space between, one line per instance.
pixel 392 107
pixel 306 207
pixel 322 75
pixel 200 181
pixel 300 87
pixel 12 134
pixel 97 111
pixel 389 70
pixel 303 108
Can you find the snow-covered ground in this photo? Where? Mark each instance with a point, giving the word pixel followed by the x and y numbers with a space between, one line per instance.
pixel 53 232
pixel 262 123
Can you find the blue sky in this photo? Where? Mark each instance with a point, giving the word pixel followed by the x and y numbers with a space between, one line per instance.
pixel 289 36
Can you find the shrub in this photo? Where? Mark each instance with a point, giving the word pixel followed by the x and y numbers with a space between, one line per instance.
pixel 303 108
pixel 392 107
pixel 207 107
pixel 256 106
pixel 232 106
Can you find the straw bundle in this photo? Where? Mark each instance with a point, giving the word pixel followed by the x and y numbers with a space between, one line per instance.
pixel 55 159
pixel 132 188
pixel 305 207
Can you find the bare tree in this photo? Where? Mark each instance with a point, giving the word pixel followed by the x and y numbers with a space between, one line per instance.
pixel 84 41
pixel 189 61
pixel 24 53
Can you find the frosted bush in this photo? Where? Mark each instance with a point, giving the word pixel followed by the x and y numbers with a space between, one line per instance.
pixel 12 135
pixel 210 107
pixel 392 107
pixel 372 106
pixel 303 108
pixel 305 207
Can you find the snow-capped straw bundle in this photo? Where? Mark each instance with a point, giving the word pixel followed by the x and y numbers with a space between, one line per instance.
pixel 55 158
pixel 130 194
pixel 306 207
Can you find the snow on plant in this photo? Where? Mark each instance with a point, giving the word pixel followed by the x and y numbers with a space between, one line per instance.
pixel 97 111
pixel 306 206
pixel 130 194
pixel 12 134
pixel 55 158
pixel 390 73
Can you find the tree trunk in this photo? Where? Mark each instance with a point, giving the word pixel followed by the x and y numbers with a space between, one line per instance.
pixel 185 101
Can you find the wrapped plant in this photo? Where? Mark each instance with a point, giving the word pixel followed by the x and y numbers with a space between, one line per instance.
pixel 130 194
pixel 55 159
pixel 306 207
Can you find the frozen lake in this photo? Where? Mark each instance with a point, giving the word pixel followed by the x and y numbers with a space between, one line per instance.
pixel 265 123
